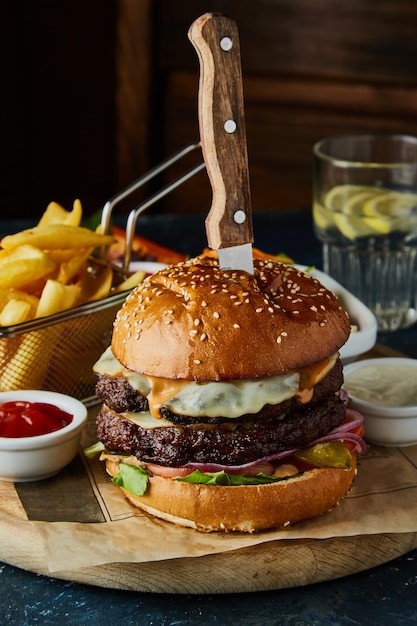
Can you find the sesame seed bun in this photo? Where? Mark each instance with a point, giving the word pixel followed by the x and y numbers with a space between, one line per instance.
pixel 245 508
pixel 195 321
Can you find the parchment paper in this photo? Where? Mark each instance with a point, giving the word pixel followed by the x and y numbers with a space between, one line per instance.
pixel 383 500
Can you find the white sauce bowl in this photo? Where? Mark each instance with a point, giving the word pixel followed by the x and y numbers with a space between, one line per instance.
pixel 387 421
pixel 24 459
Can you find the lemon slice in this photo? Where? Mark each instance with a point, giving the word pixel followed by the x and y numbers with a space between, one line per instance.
pixel 391 203
pixel 336 198
pixel 323 218
pixel 355 204
pixel 353 227
pixel 348 204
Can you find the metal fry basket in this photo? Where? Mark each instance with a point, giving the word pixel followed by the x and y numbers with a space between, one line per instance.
pixel 57 352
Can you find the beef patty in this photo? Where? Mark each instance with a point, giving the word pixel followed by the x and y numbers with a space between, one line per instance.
pixel 120 396
pixel 227 441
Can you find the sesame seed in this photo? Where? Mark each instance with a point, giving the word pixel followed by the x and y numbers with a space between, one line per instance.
pixel 236 326
pixel 296 312
pixel 196 322
pixel 193 332
pixel 203 336
pixel 279 339
pixel 216 314
pixel 237 303
pixel 259 309
pixel 197 361
pixel 204 303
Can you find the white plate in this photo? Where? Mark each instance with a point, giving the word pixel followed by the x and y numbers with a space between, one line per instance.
pixel 150 267
pixel 361 340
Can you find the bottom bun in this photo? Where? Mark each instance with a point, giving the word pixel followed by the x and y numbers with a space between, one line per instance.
pixel 245 508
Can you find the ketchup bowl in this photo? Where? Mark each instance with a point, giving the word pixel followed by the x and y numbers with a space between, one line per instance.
pixel 26 457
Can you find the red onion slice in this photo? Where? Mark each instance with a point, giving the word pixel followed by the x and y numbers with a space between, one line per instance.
pixel 341 433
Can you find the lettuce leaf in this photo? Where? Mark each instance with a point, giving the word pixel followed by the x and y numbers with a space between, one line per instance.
pixel 222 478
pixel 133 479
pixel 330 454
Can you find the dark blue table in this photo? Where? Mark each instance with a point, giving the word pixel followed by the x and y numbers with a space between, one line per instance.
pixel 383 595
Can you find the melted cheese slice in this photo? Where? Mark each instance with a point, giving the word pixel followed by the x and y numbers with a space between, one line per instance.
pixel 146 420
pixel 229 399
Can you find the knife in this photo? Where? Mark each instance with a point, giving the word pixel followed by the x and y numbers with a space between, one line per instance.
pixel 223 139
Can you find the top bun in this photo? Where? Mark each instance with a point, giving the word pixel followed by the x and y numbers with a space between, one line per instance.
pixel 195 321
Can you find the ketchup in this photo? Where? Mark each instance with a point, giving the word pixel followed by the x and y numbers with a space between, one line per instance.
pixel 28 419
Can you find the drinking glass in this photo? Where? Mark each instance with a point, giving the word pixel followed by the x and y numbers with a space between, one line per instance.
pixel 365 215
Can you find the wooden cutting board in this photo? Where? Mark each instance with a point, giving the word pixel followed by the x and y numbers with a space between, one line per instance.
pixel 272 565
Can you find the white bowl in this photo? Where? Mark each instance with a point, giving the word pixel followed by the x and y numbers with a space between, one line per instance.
pixel 362 339
pixel 150 267
pixel 388 421
pixel 24 459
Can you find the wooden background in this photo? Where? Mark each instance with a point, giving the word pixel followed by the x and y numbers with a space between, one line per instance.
pixel 95 93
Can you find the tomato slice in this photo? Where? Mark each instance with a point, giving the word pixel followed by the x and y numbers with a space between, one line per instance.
pixel 167 472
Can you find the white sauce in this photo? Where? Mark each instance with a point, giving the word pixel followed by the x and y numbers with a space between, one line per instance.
pixel 384 384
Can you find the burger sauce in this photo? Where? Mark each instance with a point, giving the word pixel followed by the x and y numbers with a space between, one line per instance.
pixel 29 419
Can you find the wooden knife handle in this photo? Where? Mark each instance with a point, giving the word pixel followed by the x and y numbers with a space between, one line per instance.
pixel 222 130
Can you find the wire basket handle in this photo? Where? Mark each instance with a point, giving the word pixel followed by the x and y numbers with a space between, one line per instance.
pixel 134 213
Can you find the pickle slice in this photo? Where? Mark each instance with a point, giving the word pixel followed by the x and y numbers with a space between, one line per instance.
pixel 330 454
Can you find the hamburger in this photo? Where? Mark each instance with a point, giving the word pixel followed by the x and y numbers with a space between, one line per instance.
pixel 222 405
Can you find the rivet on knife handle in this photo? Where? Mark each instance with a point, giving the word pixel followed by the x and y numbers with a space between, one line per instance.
pixel 222 130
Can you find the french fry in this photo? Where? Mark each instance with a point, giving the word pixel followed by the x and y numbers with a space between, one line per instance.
pixel 24 265
pixel 132 281
pixel 57 297
pixel 14 312
pixel 76 265
pixel 66 256
pixel 27 367
pixel 14 294
pixel 95 286
pixel 75 216
pixel 56 237
pixel 56 214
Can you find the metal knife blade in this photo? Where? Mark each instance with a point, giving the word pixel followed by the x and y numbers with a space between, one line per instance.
pixel 223 139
